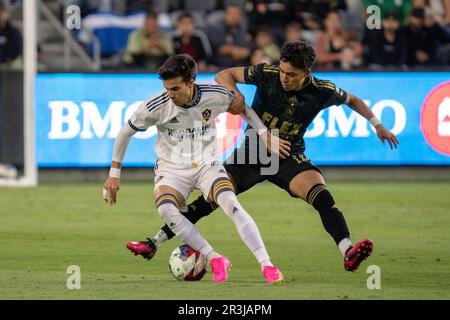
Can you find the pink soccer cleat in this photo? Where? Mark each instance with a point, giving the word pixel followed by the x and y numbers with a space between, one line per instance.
pixel 147 249
pixel 272 274
pixel 219 268
pixel 357 254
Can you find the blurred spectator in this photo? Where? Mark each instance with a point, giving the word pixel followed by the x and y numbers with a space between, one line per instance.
pixel 446 20
pixel 309 14
pixel 190 41
pixel 258 56
pixel 294 32
pixel 228 39
pixel 199 5
pixel 10 40
pixel 302 10
pixel 263 40
pixel 337 47
pixel 423 41
pixel 439 10
pixel 386 47
pixel 91 6
pixel 148 47
pixel 158 6
pixel 272 13
pixel 400 7
pixel 441 36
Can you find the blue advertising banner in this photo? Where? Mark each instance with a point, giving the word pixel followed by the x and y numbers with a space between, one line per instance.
pixel 79 115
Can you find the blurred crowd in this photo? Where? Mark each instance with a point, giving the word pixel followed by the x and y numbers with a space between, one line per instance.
pixel 224 33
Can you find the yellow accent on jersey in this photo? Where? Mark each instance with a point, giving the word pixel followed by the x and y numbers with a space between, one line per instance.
pixel 271 69
pixel 323 84
pixel 266 117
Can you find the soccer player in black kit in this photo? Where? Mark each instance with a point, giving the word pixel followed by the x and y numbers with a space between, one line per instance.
pixel 288 98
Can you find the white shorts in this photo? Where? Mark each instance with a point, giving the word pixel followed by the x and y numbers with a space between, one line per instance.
pixel 185 179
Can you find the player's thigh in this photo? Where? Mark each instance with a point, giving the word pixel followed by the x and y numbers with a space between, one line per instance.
pixel 172 180
pixel 213 178
pixel 243 173
pixel 304 181
pixel 295 175
pixel 244 176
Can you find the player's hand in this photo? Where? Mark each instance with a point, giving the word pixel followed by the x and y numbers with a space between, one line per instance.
pixel 237 105
pixel 276 145
pixel 111 186
pixel 386 135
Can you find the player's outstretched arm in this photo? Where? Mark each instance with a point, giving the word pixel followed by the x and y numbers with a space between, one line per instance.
pixel 359 106
pixel 274 144
pixel 230 77
pixel 112 183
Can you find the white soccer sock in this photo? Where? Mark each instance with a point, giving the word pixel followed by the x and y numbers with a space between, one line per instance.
pixel 343 245
pixel 159 238
pixel 245 226
pixel 212 255
pixel 265 263
pixel 184 229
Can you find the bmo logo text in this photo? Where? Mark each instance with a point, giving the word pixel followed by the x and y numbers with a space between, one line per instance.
pixel 85 121
pixel 355 125
pixel 70 120
pixel 435 118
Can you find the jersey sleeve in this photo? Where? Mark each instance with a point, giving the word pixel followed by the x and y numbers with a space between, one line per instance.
pixel 148 113
pixel 227 98
pixel 337 96
pixel 222 97
pixel 253 74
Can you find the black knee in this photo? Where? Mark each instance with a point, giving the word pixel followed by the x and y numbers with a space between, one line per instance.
pixel 320 198
pixel 200 208
pixel 332 218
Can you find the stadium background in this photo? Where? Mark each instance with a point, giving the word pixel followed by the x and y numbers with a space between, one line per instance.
pixel 399 198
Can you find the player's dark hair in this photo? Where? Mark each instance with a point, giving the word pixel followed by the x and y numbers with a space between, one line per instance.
pixel 299 54
pixel 179 65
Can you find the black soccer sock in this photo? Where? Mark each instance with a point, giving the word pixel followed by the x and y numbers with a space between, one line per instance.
pixel 196 210
pixel 332 218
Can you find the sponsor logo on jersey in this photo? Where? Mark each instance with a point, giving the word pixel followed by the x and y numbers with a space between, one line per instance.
pixel 174 120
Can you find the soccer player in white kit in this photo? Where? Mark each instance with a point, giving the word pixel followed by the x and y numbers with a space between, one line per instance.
pixel 184 115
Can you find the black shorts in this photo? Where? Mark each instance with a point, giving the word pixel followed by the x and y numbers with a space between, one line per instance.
pixel 246 175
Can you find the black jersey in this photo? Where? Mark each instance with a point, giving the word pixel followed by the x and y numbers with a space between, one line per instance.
pixel 291 112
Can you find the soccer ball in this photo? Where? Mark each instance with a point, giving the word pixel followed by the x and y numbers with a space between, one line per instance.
pixel 185 263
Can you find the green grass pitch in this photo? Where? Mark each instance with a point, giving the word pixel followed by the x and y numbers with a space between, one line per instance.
pixel 45 230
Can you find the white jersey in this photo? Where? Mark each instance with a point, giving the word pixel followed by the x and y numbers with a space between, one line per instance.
pixel 187 133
